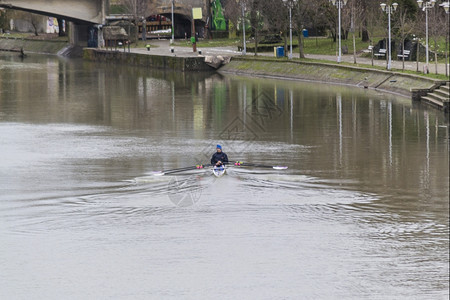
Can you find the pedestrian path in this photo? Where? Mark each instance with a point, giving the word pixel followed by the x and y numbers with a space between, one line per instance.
pixel 163 47
pixel 396 64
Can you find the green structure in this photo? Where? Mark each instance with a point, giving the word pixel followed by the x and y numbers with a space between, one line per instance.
pixel 218 20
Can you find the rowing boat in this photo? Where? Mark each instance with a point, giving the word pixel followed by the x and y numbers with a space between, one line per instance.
pixel 219 171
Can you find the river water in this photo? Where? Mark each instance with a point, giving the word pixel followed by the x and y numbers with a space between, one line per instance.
pixel 362 212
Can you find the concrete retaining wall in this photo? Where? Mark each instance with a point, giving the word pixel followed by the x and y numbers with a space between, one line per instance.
pixel 175 63
pixel 35 46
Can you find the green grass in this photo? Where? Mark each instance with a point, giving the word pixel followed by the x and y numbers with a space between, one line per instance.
pixel 28 35
pixel 363 66
pixel 209 43
pixel 311 45
pixel 17 35
pixel 326 46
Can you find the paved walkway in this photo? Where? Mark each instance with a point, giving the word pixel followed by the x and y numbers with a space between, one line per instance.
pixel 396 64
pixel 163 48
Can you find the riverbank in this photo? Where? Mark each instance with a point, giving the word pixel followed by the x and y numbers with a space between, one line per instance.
pixel 364 76
pixel 47 46
pixel 394 82
pixel 321 69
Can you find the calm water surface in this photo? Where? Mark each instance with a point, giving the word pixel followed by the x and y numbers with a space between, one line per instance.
pixel 361 213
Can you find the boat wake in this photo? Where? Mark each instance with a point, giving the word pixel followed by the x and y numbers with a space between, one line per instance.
pixel 286 187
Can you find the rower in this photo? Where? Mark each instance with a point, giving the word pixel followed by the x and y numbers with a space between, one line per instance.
pixel 219 158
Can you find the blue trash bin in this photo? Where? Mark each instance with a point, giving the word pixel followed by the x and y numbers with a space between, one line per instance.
pixel 305 33
pixel 280 52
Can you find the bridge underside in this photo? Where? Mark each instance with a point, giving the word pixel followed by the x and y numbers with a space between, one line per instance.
pixel 78 11
pixel 82 13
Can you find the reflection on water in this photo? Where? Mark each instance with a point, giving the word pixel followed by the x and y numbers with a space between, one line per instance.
pixel 362 211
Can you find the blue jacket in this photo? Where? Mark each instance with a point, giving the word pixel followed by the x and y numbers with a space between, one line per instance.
pixel 219 156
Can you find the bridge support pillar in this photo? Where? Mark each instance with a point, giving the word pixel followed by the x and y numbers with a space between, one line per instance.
pixel 78 34
pixel 83 35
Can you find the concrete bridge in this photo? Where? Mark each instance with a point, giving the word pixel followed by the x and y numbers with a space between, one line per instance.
pixel 181 8
pixel 78 11
pixel 85 13
pixel 82 13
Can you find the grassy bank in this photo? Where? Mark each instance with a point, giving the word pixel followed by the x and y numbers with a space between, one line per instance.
pixel 430 76
pixel 210 43
pixel 397 82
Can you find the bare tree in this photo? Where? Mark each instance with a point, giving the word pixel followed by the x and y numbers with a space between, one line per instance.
pixel 331 19
pixel 371 22
pixel 233 11
pixel 3 20
pixel 256 20
pixel 437 29
pixel 352 19
pixel 306 13
pixel 406 27
pixel 419 36
pixel 365 14
pixel 34 21
pixel 138 9
pixel 276 17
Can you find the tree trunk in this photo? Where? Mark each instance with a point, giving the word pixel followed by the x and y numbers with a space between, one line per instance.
pixel 300 45
pixel 354 48
pixel 256 42
pixel 365 36
pixel 365 33
pixel 403 54
pixel 285 43
pixel 417 56
pixel 371 51
pixel 435 58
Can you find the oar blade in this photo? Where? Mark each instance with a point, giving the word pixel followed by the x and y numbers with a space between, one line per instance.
pixel 280 167
pixel 243 164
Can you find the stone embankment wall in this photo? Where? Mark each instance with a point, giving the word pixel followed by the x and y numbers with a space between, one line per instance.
pixel 29 45
pixel 175 63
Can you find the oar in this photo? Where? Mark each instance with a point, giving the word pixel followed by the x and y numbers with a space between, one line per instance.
pixel 164 172
pixel 243 164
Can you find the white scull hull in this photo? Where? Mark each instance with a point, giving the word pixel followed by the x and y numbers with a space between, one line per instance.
pixel 219 171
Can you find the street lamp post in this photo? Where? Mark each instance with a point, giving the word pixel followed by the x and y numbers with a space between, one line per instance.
pixel 290 4
pixel 339 4
pixel 244 49
pixel 389 9
pixel 290 31
pixel 425 7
